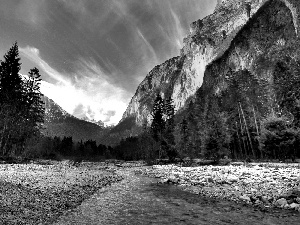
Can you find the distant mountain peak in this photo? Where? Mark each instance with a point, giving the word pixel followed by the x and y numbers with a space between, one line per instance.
pixel 60 123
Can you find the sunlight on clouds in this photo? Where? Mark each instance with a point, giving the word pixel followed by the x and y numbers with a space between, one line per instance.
pixel 90 95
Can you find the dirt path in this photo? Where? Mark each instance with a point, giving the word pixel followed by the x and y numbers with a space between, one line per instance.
pixel 139 200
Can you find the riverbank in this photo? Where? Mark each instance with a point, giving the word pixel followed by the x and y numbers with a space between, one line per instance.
pixel 264 185
pixel 39 192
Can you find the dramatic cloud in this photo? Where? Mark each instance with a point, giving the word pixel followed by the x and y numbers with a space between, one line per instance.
pixel 93 54
pixel 90 94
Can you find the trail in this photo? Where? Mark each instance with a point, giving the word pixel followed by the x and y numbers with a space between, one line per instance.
pixel 140 200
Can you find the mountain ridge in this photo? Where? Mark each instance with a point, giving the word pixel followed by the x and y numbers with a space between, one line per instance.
pixel 58 122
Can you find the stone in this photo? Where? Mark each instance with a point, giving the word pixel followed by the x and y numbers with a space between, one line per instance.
pixel 295 206
pixel 210 180
pixel 164 181
pixel 253 199
pixel 173 179
pixel 281 202
pixel 264 199
pixel 232 179
pixel 245 198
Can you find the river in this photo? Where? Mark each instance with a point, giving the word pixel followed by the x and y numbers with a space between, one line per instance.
pixel 141 200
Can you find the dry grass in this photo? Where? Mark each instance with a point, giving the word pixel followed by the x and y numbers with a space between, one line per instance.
pixel 39 194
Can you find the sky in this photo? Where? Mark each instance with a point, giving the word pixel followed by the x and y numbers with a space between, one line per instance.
pixel 92 54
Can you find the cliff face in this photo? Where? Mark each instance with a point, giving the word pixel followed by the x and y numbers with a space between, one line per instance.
pixel 239 35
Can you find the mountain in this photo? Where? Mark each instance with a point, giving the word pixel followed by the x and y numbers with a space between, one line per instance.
pixel 99 123
pixel 58 122
pixel 240 39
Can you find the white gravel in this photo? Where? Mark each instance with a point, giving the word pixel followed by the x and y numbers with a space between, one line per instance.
pixel 262 184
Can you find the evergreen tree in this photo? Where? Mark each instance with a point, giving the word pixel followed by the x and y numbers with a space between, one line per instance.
pixel 193 140
pixel 216 136
pixel 158 123
pixel 184 138
pixel 21 109
pixel 11 96
pixel 169 138
pixel 286 87
pixel 33 110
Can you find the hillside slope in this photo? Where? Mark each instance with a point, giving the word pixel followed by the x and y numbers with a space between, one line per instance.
pixel 60 123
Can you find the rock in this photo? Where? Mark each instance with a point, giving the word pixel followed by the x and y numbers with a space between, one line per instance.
pixel 232 179
pixel 173 179
pixel 245 198
pixel 295 206
pixel 210 180
pixel 164 181
pixel 297 200
pixel 253 199
pixel 264 199
pixel 281 202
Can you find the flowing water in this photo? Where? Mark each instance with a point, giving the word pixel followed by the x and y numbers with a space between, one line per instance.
pixel 140 200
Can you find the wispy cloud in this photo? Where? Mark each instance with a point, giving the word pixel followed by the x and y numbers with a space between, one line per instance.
pixel 147 45
pixel 90 94
pixel 33 54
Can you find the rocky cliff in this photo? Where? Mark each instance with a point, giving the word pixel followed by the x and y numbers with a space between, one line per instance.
pixel 239 35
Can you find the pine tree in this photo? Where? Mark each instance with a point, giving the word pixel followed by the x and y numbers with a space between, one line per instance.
pixel 21 108
pixel 169 138
pixel 217 136
pixel 158 123
pixel 34 104
pixel 193 141
pixel 10 96
pixel 184 137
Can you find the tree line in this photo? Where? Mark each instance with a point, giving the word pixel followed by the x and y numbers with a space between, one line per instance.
pixel 64 147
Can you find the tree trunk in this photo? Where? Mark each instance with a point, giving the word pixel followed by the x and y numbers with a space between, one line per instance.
pixel 247 130
pixel 5 151
pixel 2 139
pixel 239 139
pixel 244 144
pixel 257 130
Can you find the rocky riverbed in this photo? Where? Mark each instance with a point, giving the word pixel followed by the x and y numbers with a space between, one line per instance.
pixel 264 185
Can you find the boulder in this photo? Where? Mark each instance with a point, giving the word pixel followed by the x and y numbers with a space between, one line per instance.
pixel 173 179
pixel 295 206
pixel 281 202
pixel 232 179
pixel 264 199
pixel 245 198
